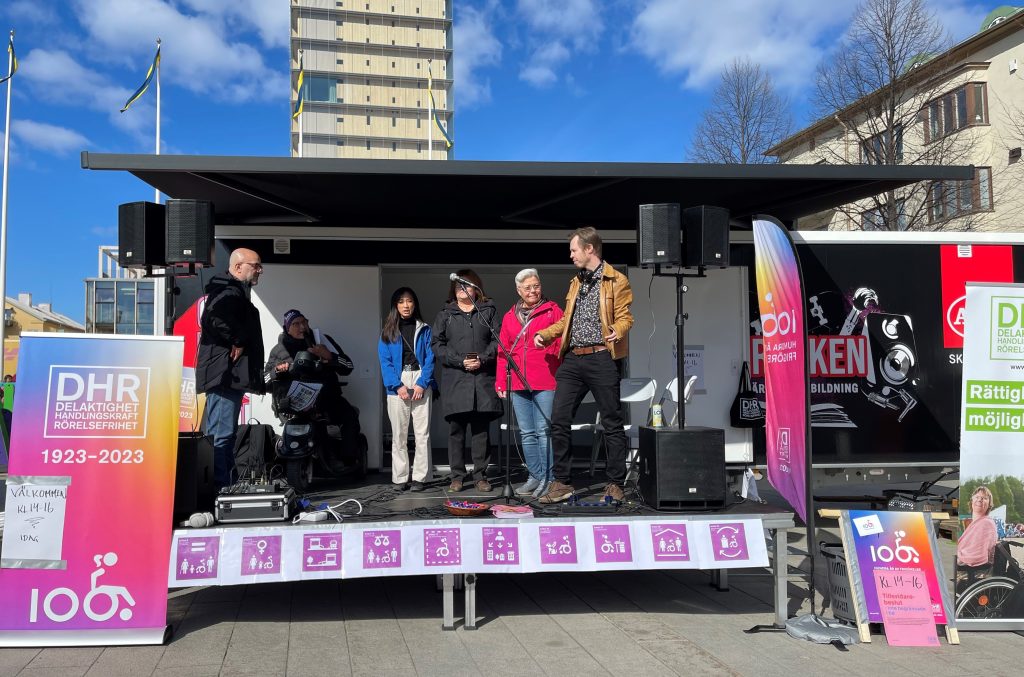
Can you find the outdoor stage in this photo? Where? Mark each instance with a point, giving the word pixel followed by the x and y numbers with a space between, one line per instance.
pixel 404 534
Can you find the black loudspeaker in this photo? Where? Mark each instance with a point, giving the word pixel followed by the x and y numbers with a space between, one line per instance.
pixel 190 232
pixel 682 468
pixel 706 237
pixel 658 235
pixel 194 489
pixel 140 234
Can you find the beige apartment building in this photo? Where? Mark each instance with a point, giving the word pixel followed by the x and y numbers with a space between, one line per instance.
pixel 962 107
pixel 365 76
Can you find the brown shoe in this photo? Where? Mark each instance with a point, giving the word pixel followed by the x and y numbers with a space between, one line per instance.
pixel 614 492
pixel 456 485
pixel 557 492
pixel 483 485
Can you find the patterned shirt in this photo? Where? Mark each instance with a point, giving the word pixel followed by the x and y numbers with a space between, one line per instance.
pixel 585 329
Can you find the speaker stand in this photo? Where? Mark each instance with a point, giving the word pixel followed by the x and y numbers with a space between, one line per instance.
pixel 681 318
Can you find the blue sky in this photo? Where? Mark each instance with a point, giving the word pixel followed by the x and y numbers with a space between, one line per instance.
pixel 554 80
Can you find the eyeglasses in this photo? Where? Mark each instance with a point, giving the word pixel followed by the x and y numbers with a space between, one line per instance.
pixel 532 287
pixel 255 264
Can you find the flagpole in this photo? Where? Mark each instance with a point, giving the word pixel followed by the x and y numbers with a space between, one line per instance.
pixel 3 196
pixel 430 114
pixel 302 109
pixel 157 190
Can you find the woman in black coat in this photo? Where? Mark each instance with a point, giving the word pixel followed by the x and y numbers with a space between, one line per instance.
pixel 466 351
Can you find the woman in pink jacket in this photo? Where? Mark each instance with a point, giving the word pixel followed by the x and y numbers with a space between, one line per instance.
pixel 530 314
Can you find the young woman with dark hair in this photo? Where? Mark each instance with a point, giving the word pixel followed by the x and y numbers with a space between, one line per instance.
pixel 407 369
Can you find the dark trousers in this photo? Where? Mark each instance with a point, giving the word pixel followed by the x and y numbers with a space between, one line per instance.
pixel 579 374
pixel 458 424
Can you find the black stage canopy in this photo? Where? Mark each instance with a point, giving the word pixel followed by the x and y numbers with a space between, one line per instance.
pixel 496 195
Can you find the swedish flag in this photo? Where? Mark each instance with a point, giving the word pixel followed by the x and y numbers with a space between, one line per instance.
pixel 299 90
pixel 437 120
pixel 149 78
pixel 14 61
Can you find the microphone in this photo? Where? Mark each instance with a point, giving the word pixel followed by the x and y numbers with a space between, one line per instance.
pixel 454 277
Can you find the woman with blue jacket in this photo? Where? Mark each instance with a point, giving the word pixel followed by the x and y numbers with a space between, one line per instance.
pixel 407 368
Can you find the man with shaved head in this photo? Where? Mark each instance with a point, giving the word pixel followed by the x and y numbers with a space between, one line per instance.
pixel 230 358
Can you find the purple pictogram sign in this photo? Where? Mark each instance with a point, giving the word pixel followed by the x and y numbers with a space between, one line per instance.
pixel 669 543
pixel 261 555
pixel 321 551
pixel 611 543
pixel 729 542
pixel 558 545
pixel 382 549
pixel 198 557
pixel 441 547
pixel 501 545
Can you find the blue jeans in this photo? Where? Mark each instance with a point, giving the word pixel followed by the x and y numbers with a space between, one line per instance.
pixel 222 408
pixel 533 413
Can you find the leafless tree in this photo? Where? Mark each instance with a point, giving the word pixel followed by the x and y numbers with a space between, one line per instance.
pixel 747 116
pixel 878 86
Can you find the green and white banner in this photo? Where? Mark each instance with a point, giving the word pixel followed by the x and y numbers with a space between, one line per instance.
pixel 990 550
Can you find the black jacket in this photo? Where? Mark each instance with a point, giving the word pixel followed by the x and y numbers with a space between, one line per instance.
pixel 229 319
pixel 455 334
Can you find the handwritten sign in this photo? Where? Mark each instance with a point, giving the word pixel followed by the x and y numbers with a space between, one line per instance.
pixel 906 608
pixel 34 524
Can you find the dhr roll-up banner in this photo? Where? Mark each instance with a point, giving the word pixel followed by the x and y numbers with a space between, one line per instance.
pixel 989 552
pixel 90 491
pixel 781 304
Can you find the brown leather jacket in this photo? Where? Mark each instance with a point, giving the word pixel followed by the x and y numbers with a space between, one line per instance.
pixel 616 297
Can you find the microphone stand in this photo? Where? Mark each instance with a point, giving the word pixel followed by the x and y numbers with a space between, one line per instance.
pixel 507 492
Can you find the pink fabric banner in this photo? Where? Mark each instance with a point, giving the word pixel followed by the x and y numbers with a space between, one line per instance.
pixel 781 303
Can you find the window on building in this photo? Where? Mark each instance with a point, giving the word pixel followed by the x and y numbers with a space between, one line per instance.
pixel 341 62
pixel 367 63
pixel 392 83
pixel 146 314
pixel 392 99
pixel 950 199
pixel 393 121
pixel 392 64
pixel 125 319
pixel 394 146
pixel 341 118
pixel 418 123
pixel 367 119
pixel 367 98
pixel 417 66
pixel 964 106
pixel 419 147
pixel 104 303
pixel 875 219
pixel 367 144
pixel 874 151
pixel 319 88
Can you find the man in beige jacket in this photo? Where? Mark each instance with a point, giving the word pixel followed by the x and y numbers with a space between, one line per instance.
pixel 594 334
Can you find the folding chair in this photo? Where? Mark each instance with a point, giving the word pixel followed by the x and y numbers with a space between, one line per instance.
pixel 671 393
pixel 630 390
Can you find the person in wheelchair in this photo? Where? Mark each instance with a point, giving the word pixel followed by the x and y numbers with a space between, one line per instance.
pixel 976 546
pixel 342 417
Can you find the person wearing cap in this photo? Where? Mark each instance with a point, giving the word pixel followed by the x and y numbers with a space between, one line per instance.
pixel 297 336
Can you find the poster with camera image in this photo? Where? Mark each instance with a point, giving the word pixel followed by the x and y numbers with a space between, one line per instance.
pixel 990 548
pixel 885 325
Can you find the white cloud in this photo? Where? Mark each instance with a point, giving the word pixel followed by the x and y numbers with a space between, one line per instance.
pixel 199 50
pixel 269 18
pixel 540 70
pixel 31 11
pixel 56 77
pixel 783 36
pixel 554 28
pixel 476 48
pixel 48 138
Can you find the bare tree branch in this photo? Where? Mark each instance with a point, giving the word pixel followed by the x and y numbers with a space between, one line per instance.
pixel 747 116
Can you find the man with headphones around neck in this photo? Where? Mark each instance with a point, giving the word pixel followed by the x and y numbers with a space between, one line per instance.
pixel 594 333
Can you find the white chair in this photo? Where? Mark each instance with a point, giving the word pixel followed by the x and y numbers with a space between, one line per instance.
pixel 671 393
pixel 631 390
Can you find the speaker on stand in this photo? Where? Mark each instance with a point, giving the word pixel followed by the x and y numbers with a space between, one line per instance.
pixel 140 234
pixel 190 232
pixel 658 235
pixel 706 237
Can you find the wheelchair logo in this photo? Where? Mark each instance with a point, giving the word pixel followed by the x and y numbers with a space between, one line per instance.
pixel 904 554
pixel 99 613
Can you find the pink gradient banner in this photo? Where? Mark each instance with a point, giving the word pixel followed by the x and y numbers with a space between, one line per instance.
pixel 781 304
pixel 90 491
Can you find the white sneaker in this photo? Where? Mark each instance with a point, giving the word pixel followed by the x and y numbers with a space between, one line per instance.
pixel 541 489
pixel 530 486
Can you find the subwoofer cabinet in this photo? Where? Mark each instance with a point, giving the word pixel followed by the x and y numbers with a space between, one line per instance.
pixel 682 468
